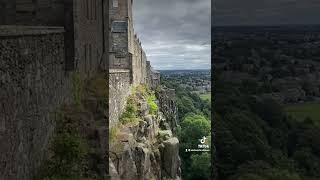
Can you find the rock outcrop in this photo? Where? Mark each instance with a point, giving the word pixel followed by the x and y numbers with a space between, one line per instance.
pixel 168 106
pixel 144 150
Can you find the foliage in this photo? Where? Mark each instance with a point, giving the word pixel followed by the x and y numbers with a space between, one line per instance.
pixel 194 115
pixel 77 88
pixel 113 133
pixel 68 160
pixel 206 97
pixel 304 110
pixel 69 153
pixel 142 90
pixel 193 128
pixel 200 166
pixel 69 150
pixel 272 174
pixel 256 139
pixel 153 106
pixel 132 112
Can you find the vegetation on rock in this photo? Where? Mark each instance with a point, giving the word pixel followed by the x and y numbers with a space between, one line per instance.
pixel 73 147
pixel 194 116
pixel 77 88
pixel 152 104
pixel 133 106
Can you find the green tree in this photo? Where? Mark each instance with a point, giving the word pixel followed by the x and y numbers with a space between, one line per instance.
pixel 194 127
pixel 200 166
pixel 272 174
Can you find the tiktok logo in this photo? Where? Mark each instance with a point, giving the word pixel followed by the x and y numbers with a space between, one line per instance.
pixel 203 147
pixel 203 140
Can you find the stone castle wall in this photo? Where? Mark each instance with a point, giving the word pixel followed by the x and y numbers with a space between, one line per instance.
pixel 30 12
pixel 33 83
pixel 84 23
pixel 119 90
pixel 41 43
pixel 126 53
pixel 88 36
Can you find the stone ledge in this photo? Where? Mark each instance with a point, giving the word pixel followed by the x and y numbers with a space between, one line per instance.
pixel 12 30
pixel 113 71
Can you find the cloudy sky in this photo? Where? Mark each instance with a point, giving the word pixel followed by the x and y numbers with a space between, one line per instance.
pixel 265 12
pixel 175 33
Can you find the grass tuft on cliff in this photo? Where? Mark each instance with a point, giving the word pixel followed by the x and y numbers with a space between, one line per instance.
pixel 113 133
pixel 68 149
pixel 133 109
pixel 131 114
pixel 152 104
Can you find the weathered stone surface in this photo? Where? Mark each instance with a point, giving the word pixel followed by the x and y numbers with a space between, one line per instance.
pixel 119 89
pixel 170 157
pixel 32 85
pixel 128 169
pixel 35 63
pixel 165 134
pixel 148 119
pixel 113 171
pixel 168 107
pixel 143 162
pixel 144 110
pixel 150 153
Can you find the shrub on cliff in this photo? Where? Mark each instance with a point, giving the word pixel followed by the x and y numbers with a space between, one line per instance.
pixel 77 88
pixel 139 93
pixel 131 113
pixel 113 133
pixel 152 104
pixel 68 157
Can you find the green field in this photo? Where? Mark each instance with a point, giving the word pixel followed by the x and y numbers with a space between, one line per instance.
pixel 302 111
pixel 206 97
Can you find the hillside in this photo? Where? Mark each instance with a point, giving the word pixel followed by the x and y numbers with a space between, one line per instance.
pixel 266 91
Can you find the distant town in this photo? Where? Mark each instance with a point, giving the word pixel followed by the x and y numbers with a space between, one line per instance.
pixel 197 81
pixel 279 62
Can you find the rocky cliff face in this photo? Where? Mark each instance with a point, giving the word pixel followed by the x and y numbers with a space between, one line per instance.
pixel 145 150
pixel 168 106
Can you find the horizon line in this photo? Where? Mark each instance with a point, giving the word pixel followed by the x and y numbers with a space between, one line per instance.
pixel 180 69
pixel 265 25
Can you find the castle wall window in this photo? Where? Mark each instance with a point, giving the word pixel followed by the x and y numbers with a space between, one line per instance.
pixel 119 27
pixel 115 3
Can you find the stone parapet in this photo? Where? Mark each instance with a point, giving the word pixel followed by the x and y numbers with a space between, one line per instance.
pixel 11 30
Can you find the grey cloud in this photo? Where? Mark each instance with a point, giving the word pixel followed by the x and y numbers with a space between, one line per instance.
pixel 175 34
